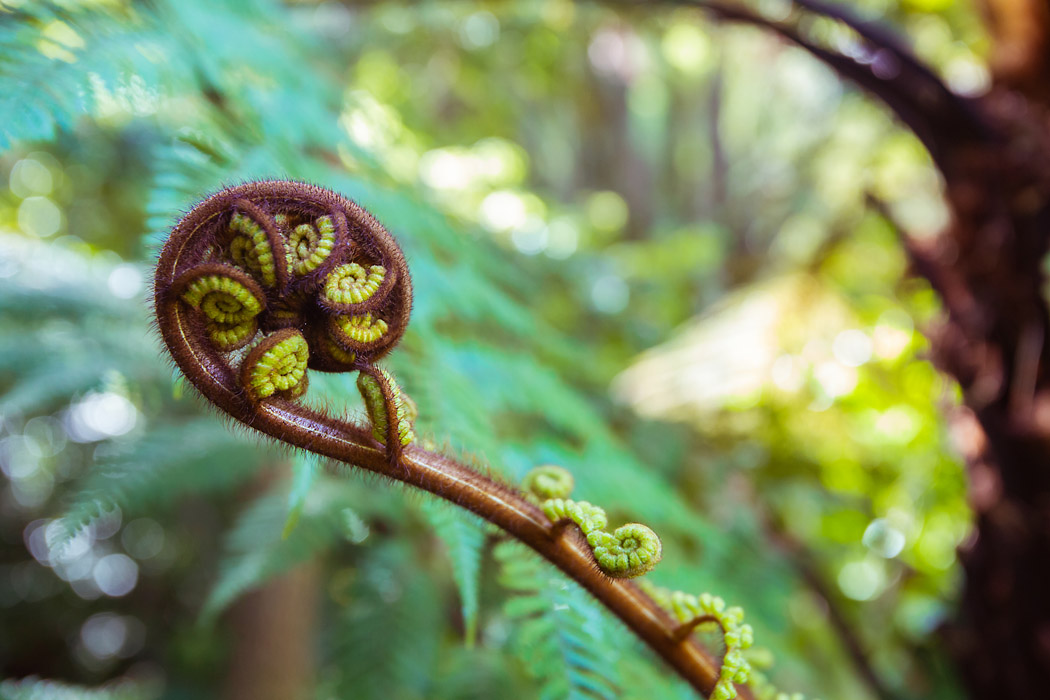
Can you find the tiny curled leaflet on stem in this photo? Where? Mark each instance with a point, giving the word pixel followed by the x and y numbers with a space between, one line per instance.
pixel 629 551
pixel 633 550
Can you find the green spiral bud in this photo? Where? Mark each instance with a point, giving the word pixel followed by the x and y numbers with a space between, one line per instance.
pixel 277 365
pixel 228 338
pixel 308 246
pixel 228 299
pixel 352 284
pixel 381 404
pixel 251 250
pixel 222 299
pixel 548 481
pixel 629 551
pixel 357 332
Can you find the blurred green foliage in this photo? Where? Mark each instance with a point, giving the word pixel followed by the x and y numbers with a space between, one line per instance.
pixel 641 249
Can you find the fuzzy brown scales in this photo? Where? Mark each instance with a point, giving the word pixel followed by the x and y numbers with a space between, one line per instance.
pixel 295 318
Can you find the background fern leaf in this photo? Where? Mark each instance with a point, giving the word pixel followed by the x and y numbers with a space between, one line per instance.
pixel 464 537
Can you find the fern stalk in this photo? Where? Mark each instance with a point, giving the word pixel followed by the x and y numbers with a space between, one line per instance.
pixel 224 280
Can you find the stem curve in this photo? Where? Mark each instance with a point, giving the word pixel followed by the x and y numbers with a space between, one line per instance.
pixel 194 243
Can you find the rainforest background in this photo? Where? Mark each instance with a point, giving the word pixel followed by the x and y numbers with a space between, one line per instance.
pixel 660 250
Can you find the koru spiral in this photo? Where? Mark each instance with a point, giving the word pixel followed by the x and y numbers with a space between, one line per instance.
pixel 261 282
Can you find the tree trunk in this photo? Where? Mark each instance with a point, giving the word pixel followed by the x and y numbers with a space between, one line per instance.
pixel 994 155
pixel 274 636
pixel 274 628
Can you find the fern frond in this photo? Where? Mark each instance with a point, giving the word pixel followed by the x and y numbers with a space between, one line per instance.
pixel 198 456
pixel 384 645
pixel 38 689
pixel 59 63
pixel 464 537
pixel 256 549
pixel 563 636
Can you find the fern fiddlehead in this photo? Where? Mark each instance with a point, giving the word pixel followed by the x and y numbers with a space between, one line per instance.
pixel 629 551
pixel 548 481
pixel 260 284
pixel 633 550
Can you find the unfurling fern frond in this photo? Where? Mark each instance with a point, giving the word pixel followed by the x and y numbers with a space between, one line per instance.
pixel 226 277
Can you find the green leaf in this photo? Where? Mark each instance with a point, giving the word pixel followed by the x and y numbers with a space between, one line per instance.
pixel 385 640
pixel 565 638
pixel 305 469
pixel 39 689
pixel 256 548
pixel 464 535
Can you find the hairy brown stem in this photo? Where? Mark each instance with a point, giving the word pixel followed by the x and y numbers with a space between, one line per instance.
pixel 283 416
pixel 461 485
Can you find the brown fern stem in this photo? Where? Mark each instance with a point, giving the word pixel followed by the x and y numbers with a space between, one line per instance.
pixel 455 482
pixel 282 415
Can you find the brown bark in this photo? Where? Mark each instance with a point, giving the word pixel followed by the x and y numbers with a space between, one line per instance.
pixel 994 155
pixel 1020 55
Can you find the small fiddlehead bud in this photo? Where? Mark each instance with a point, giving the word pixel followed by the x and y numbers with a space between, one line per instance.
pixel 254 245
pixel 383 399
pixel 349 285
pixel 630 550
pixel 277 364
pixel 309 246
pixel 357 333
pixel 693 611
pixel 548 481
pixel 697 611
pixel 228 299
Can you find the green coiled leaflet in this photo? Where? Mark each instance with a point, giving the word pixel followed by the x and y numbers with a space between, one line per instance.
pixel 633 550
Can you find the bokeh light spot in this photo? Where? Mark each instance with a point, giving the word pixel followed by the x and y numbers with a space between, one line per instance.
pixel 39 216
pixel 30 178
pixel 116 575
pixel 883 538
pixel 861 580
pixel 125 282
pixel 99 416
